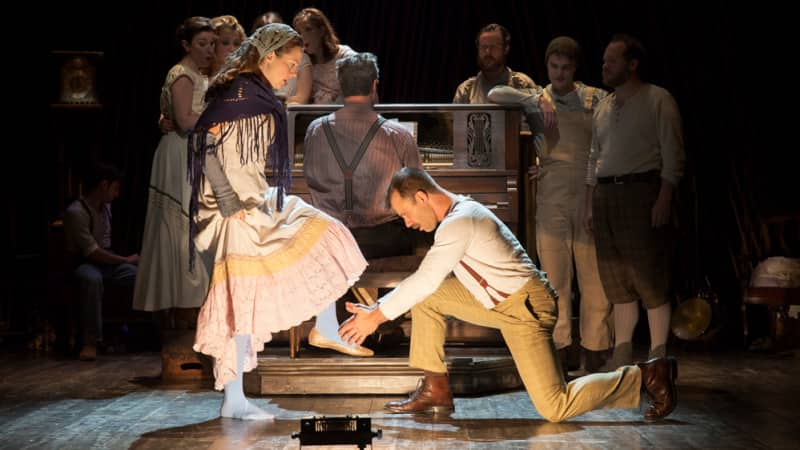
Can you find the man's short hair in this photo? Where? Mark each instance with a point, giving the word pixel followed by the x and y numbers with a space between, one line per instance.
pixel 492 27
pixel 564 46
pixel 634 49
pixel 98 172
pixel 356 73
pixel 408 181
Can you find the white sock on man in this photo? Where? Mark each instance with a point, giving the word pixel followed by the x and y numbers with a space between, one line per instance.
pixel 658 319
pixel 625 317
pixel 235 405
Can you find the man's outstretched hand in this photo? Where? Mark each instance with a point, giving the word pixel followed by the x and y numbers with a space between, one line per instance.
pixel 362 323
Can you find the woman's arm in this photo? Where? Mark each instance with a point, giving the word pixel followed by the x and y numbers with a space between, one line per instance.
pixel 182 94
pixel 227 199
pixel 303 93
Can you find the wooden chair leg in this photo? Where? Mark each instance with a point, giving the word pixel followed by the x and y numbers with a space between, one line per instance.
pixel 294 342
pixel 745 324
pixel 297 336
pixel 778 316
pixel 366 296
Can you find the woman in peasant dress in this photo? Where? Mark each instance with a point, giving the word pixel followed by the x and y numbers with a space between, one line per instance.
pixel 274 261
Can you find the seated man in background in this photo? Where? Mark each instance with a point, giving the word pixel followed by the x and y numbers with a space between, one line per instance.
pixel 87 232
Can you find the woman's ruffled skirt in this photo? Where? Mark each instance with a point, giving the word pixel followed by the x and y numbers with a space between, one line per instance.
pixel 256 292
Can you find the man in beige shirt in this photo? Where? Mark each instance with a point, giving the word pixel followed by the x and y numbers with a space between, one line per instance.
pixel 635 163
pixel 495 284
pixel 493 43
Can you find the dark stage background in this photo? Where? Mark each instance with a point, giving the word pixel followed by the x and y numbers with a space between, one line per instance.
pixel 722 63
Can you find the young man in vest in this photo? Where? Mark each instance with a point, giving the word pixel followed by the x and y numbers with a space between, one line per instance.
pixel 561 238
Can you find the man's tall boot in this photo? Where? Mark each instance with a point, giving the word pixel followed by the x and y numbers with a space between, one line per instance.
pixel 432 396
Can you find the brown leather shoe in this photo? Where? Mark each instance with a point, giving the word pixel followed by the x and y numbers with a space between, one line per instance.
pixel 658 382
pixel 432 396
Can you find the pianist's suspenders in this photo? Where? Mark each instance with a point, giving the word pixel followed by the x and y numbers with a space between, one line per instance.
pixel 349 169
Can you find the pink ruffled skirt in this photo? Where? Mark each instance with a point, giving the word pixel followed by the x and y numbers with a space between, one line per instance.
pixel 271 271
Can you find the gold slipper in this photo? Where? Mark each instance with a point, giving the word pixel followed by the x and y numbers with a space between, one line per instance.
pixel 316 339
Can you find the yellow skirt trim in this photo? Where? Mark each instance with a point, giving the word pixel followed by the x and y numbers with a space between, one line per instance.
pixel 251 266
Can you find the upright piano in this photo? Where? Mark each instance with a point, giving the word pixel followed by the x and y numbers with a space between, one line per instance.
pixel 468 149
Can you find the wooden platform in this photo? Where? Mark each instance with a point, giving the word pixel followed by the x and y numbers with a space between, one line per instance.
pixel 486 370
pixel 727 400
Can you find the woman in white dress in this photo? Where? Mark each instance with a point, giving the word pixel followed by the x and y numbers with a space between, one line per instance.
pixel 274 260
pixel 164 280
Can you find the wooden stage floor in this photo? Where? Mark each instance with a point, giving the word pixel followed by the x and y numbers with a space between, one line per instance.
pixel 726 400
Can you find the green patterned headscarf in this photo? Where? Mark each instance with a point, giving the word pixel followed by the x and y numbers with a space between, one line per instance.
pixel 266 39
pixel 271 37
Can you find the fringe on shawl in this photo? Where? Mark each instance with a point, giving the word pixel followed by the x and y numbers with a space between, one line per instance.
pixel 201 143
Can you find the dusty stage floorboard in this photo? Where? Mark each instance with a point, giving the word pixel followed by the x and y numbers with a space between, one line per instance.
pixel 726 400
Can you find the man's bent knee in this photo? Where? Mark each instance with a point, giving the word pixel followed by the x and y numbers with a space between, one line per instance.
pixel 553 416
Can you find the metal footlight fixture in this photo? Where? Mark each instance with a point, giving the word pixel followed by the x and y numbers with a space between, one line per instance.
pixel 348 430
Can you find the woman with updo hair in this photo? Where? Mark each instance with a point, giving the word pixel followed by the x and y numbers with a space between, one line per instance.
pixel 230 35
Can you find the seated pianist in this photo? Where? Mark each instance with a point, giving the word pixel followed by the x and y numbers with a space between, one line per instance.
pixel 350 156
